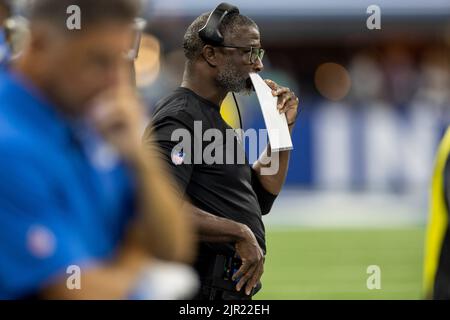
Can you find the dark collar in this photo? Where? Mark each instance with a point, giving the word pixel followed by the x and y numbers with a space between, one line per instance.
pixel 205 101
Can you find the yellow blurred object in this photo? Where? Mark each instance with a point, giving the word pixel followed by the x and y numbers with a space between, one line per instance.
pixel 229 112
pixel 438 217
pixel 148 63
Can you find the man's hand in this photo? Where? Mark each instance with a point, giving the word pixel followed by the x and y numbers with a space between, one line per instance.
pixel 118 116
pixel 252 258
pixel 287 101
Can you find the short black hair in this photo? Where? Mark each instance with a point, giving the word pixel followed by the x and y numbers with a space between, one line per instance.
pixel 193 45
pixel 5 4
pixel 5 8
pixel 92 11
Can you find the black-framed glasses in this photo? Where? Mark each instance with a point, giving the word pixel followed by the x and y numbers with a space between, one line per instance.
pixel 255 53
pixel 138 28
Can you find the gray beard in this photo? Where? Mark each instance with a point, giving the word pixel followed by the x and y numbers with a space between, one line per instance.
pixel 230 80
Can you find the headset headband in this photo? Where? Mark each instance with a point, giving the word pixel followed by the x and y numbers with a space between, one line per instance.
pixel 210 32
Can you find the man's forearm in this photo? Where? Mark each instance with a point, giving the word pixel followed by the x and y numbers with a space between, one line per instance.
pixel 273 183
pixel 165 228
pixel 96 281
pixel 211 228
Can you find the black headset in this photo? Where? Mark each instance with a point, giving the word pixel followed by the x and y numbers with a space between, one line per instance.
pixel 210 34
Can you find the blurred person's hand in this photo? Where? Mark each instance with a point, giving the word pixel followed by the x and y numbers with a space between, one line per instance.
pixel 136 276
pixel 118 116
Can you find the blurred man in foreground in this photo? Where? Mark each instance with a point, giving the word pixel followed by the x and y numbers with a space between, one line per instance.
pixel 77 191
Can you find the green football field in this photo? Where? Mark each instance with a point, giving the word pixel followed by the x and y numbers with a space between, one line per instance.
pixel 332 263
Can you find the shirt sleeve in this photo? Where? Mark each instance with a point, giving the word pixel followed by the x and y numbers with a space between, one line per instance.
pixel 174 138
pixel 265 198
pixel 37 241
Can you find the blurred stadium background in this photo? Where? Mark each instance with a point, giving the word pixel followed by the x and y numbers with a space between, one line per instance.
pixel 374 104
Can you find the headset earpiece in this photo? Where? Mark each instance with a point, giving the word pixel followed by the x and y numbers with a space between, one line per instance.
pixel 210 33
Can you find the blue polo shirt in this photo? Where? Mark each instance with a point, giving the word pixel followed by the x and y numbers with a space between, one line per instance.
pixel 65 196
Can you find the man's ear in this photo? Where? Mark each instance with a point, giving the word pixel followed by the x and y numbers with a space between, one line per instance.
pixel 210 55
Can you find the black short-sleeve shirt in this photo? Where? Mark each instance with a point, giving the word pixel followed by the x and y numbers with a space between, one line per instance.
pixel 228 190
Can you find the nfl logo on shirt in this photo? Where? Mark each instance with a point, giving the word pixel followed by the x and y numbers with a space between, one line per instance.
pixel 178 157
